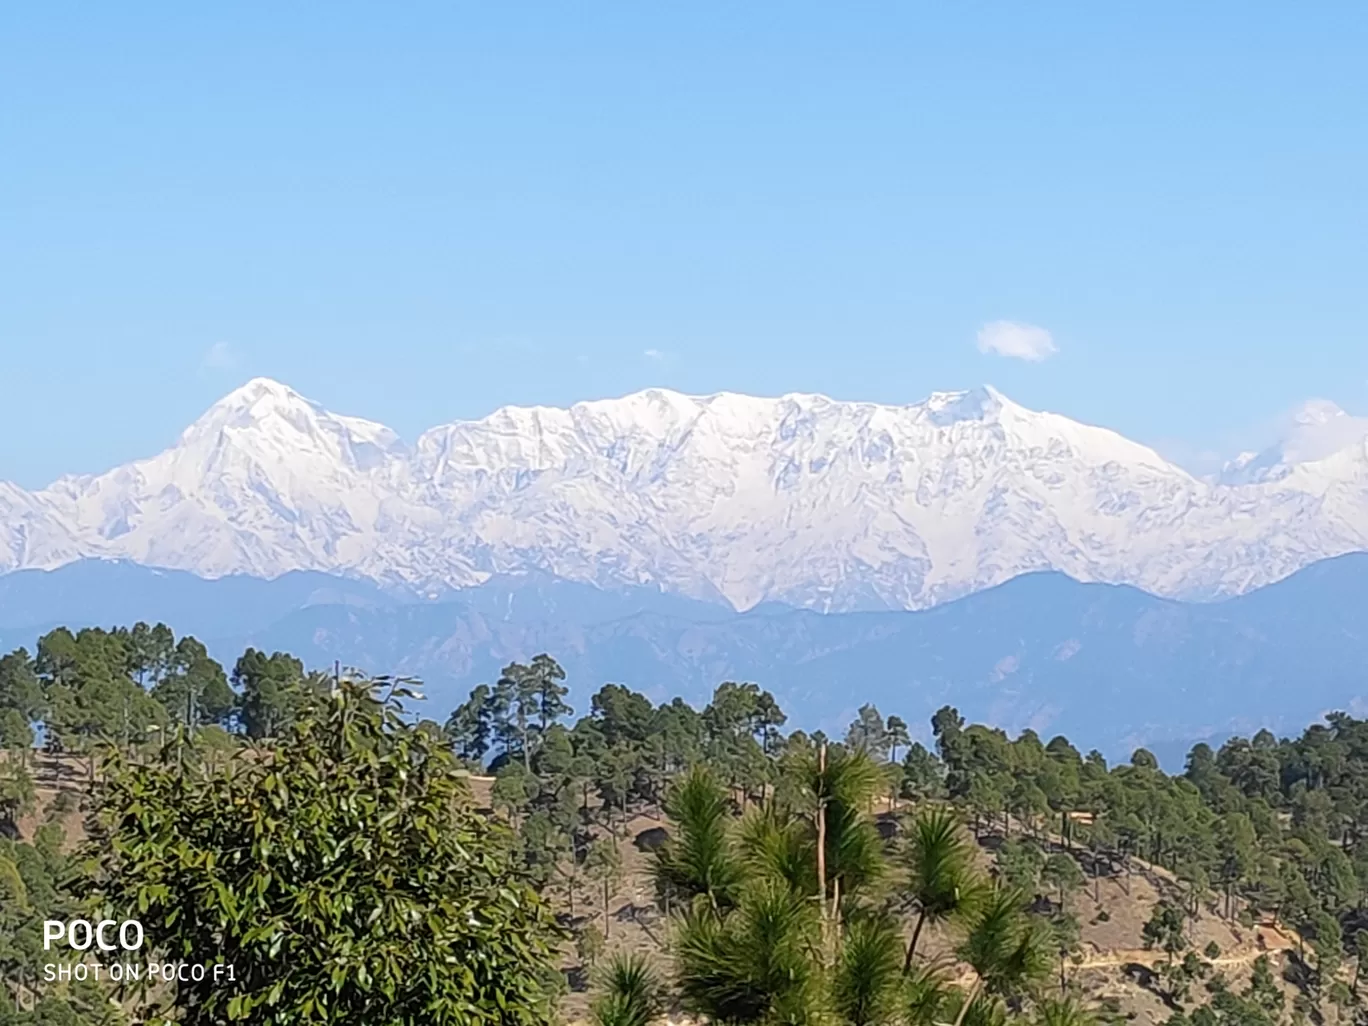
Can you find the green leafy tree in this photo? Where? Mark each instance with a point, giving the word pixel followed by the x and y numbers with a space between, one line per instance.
pixel 629 993
pixel 751 944
pixel 193 688
pixel 1064 933
pixel 756 963
pixel 1009 951
pixel 32 888
pixel 16 733
pixel 550 691
pixel 1019 863
pixel 740 725
pixel 470 727
pixel 1328 945
pixel 869 733
pixel 17 795
pixel 923 775
pixel 622 716
pixel 699 859
pixel 1166 929
pixel 866 987
pixel 603 862
pixel 1061 873
pixel 516 698
pixel 91 697
pixel 20 688
pixel 589 944
pixel 680 730
pixel 151 653
pixel 1064 1011
pixel 941 880
pixel 274 689
pixel 514 788
pixel 343 872
pixel 898 736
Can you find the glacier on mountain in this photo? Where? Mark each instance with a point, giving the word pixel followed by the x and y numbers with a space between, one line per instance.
pixel 800 499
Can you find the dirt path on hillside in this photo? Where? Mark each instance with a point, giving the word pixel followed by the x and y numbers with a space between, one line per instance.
pixel 1275 942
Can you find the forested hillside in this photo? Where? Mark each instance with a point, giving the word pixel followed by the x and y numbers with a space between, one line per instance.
pixel 660 859
pixel 1107 663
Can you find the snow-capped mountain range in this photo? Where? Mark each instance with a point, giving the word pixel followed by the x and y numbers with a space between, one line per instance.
pixel 801 499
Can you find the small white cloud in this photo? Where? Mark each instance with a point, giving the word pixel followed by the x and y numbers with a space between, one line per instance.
pixel 220 356
pixel 1016 340
pixel 654 354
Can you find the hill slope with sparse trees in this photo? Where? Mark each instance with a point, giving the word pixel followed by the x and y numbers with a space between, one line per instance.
pixel 660 860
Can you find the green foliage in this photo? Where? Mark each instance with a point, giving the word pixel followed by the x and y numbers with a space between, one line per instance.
pixel 603 863
pixel 755 964
pixel 471 725
pixel 897 736
pixel 193 688
pixel 760 950
pixel 1008 950
pixel 1066 1011
pixel 938 860
pixel 1061 873
pixel 700 858
pixel 17 793
pixel 526 701
pixel 740 731
pixel 20 689
pixel 844 786
pixel 16 735
pixel 275 690
pixel 866 987
pixel 32 888
pixel 90 694
pixel 869 733
pixel 630 993
pixel 1166 929
pixel 589 944
pixel 923 775
pixel 343 872
pixel 513 789
pixel 1020 862
pixel 1261 826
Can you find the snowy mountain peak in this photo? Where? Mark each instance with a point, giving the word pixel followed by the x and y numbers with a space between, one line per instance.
pixel 1317 411
pixel 271 422
pixel 983 403
pixel 1313 433
pixel 258 389
pixel 255 401
pixel 801 499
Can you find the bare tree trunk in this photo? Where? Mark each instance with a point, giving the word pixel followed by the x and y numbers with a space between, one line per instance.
pixel 969 996
pixel 835 916
pixel 821 836
pixel 912 944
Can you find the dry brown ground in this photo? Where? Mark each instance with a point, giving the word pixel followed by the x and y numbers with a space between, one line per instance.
pixel 1112 956
pixel 1109 969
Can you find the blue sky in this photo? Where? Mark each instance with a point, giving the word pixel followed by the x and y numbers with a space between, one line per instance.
pixel 418 212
